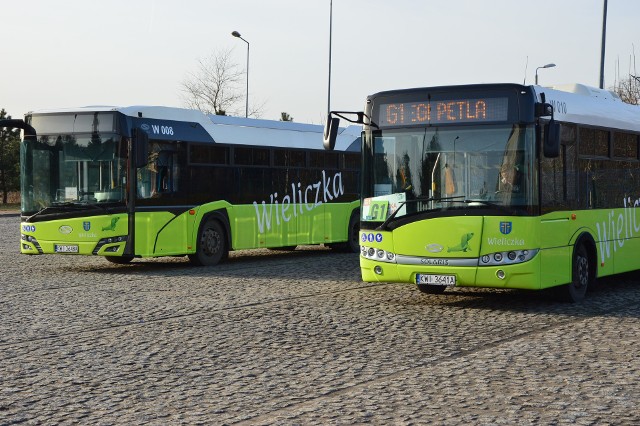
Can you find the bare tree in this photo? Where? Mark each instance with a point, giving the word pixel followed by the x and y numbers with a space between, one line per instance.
pixel 215 86
pixel 628 88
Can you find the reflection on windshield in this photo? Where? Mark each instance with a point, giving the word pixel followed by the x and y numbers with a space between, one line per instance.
pixel 428 169
pixel 76 169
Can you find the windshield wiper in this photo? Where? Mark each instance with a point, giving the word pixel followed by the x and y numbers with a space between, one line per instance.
pixel 39 212
pixel 71 205
pixel 424 199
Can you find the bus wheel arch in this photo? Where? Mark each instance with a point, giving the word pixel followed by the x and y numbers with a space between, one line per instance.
pixel 213 240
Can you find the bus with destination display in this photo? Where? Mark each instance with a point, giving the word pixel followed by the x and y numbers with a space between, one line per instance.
pixel 146 181
pixel 498 186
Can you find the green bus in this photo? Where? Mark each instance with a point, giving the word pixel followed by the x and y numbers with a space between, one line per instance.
pixel 498 186
pixel 147 181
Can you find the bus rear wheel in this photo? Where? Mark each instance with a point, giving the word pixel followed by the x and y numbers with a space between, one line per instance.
pixel 119 260
pixel 354 233
pixel 431 289
pixel 582 277
pixel 211 246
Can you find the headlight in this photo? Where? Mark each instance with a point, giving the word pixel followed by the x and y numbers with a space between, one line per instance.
pixel 377 254
pixel 109 240
pixel 507 257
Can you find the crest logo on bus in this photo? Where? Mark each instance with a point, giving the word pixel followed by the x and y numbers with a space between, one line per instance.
pixel 145 127
pixel 505 227
pixel 86 225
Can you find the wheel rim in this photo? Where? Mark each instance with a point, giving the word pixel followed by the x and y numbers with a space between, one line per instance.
pixel 211 242
pixel 582 272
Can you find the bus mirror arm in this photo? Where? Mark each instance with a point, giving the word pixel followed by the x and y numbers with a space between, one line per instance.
pixel 543 109
pixel 18 124
pixel 331 127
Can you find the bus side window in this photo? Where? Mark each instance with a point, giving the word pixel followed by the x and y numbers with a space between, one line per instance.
pixel 160 176
pixel 165 176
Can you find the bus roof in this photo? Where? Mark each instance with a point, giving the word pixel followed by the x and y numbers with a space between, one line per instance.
pixel 581 104
pixel 573 103
pixel 235 130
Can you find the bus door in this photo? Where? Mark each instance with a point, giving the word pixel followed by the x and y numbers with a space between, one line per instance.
pixel 138 158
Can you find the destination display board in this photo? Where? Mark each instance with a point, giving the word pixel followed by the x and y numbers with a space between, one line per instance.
pixel 449 111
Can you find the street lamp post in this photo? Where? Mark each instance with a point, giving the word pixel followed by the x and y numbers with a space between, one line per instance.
pixel 246 108
pixel 330 29
pixel 602 46
pixel 544 66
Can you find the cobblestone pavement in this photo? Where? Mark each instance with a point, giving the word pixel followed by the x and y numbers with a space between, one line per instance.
pixel 297 338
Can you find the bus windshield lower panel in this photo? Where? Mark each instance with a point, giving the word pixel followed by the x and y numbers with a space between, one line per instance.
pixel 434 169
pixel 72 171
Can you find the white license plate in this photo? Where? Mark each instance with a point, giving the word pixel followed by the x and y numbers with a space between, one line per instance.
pixel 59 248
pixel 434 279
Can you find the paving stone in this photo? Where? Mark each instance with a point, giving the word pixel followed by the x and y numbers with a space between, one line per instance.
pixel 296 338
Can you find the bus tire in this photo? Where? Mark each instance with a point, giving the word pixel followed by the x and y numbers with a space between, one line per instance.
pixel 119 260
pixel 581 276
pixel 211 246
pixel 431 289
pixel 354 233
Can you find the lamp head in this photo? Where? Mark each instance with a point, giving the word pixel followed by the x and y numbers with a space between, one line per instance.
pixel 237 34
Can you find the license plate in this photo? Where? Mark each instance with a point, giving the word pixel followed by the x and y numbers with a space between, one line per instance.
pixel 59 248
pixel 434 279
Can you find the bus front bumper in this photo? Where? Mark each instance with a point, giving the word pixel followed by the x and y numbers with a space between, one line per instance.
pixel 524 275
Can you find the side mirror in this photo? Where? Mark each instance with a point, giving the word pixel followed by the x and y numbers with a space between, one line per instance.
pixel 330 133
pixel 140 147
pixel 551 143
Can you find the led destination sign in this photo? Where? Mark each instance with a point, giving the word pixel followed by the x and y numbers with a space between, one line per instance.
pixel 446 111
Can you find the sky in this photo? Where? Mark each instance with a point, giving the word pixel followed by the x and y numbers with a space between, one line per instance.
pixel 70 53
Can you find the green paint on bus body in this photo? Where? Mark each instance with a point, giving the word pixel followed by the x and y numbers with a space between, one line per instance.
pixel 167 234
pixel 422 247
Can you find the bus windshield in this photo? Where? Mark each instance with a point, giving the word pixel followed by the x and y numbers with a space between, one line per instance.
pixel 72 170
pixel 430 169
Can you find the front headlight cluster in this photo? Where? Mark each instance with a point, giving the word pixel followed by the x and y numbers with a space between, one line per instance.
pixel 507 257
pixel 377 254
pixel 110 240
pixel 31 239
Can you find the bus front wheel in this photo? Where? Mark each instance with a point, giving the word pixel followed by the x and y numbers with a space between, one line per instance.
pixel 581 275
pixel 211 246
